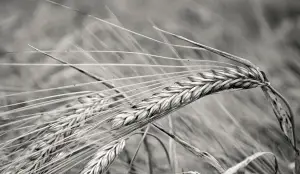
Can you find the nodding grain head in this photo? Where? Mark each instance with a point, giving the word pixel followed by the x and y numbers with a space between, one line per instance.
pixel 187 91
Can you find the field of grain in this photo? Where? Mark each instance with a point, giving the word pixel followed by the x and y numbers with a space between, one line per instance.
pixel 229 125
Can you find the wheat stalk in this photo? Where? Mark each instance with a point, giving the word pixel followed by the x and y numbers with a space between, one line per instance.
pixel 283 117
pixel 188 91
pixel 73 117
pixel 201 154
pixel 104 158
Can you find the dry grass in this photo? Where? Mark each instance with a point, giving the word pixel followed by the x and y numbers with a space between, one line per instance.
pixel 122 81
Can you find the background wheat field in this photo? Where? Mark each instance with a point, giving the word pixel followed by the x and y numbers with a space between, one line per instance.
pixel 230 126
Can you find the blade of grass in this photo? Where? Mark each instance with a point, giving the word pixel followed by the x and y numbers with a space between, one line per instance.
pixel 248 160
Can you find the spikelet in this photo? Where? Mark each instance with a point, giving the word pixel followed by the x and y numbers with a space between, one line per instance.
pixel 104 158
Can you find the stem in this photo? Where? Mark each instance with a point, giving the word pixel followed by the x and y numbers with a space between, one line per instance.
pixel 291 115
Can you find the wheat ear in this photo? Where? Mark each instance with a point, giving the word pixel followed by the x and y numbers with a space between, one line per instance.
pixel 188 91
pixel 73 117
pixel 104 158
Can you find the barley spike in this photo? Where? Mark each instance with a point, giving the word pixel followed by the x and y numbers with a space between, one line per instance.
pixel 188 91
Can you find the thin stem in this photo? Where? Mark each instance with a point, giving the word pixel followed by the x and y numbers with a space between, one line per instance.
pixel 137 149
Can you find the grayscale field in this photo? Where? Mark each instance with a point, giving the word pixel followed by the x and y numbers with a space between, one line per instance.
pixel 118 87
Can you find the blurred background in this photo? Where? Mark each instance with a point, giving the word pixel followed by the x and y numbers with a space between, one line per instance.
pixel 229 126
